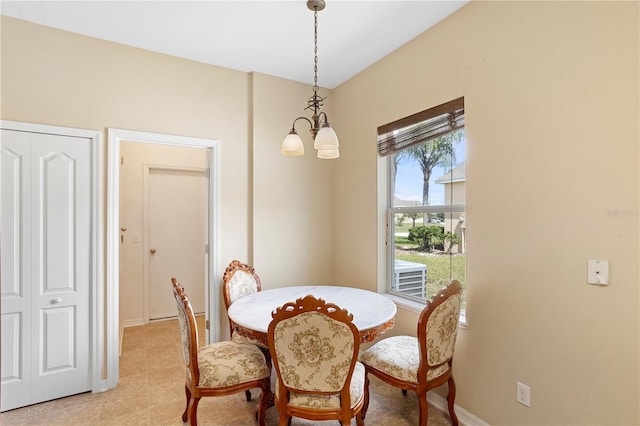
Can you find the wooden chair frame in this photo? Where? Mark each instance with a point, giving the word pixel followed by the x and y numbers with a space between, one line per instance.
pixel 423 386
pixel 193 390
pixel 345 413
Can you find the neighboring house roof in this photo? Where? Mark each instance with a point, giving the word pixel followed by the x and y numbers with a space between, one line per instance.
pixel 457 174
pixel 399 202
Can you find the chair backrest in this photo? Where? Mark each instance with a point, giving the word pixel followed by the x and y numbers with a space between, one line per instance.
pixel 438 327
pixel 238 280
pixel 314 346
pixel 188 330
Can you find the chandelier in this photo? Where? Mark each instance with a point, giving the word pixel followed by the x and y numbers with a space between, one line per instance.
pixel 325 139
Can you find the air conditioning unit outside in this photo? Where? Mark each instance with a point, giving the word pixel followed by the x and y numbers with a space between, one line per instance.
pixel 410 278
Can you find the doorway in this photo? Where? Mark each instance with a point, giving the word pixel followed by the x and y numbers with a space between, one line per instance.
pixel 116 138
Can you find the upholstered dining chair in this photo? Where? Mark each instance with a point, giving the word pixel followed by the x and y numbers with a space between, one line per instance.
pixel 218 369
pixel 421 363
pixel 314 348
pixel 239 280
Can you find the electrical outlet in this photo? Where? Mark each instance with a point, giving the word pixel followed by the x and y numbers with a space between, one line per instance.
pixel 523 394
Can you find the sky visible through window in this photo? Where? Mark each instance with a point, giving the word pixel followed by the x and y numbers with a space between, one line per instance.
pixel 409 179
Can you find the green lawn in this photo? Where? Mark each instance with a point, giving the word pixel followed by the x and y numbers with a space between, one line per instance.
pixel 438 263
pixel 438 267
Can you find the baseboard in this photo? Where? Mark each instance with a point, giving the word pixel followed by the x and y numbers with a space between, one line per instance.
pixel 465 417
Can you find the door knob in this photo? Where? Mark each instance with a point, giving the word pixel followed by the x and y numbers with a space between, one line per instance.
pixel 55 301
pixel 123 229
pixel 153 251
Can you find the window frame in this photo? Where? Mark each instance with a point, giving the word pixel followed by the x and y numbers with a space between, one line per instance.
pixel 407 301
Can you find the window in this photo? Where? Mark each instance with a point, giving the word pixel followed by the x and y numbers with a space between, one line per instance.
pixel 426 206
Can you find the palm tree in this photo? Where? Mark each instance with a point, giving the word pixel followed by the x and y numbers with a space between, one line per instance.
pixel 436 152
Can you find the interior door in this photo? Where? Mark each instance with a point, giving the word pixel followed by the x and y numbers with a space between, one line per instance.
pixel 46 266
pixel 177 237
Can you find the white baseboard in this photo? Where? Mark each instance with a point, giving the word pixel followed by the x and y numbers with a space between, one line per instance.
pixel 465 417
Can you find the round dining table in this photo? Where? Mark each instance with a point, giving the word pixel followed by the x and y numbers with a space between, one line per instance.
pixel 373 313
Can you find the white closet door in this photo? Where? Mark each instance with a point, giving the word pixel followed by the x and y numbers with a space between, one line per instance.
pixel 46 267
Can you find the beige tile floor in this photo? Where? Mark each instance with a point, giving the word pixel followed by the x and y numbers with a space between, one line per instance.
pixel 151 392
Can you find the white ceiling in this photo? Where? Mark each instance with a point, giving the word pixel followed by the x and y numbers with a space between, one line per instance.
pixel 270 37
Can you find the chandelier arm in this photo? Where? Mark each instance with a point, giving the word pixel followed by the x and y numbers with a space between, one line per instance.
pixel 324 123
pixel 293 126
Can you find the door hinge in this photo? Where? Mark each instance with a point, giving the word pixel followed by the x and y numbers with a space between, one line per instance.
pixel 207 172
pixel 206 324
pixel 121 160
pixel 206 249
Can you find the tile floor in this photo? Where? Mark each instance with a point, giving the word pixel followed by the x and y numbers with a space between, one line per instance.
pixel 151 392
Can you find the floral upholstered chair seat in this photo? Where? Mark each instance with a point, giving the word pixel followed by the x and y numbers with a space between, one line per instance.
pixel 228 363
pixel 399 357
pixel 356 391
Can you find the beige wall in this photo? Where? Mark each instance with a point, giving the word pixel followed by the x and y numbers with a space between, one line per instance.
pixel 537 78
pixel 551 98
pixel 293 196
pixel 59 78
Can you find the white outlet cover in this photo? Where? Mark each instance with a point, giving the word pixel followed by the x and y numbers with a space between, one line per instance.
pixel 598 272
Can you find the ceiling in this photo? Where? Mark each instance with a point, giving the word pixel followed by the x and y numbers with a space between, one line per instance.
pixel 270 37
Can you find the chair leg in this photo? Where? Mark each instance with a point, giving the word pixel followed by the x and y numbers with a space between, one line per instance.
pixel 424 408
pixel 359 419
pixel 451 398
pixel 365 404
pixel 193 411
pixel 263 402
pixel 188 394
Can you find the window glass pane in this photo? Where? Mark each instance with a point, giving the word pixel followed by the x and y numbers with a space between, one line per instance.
pixel 421 172
pixel 427 257
pixel 427 208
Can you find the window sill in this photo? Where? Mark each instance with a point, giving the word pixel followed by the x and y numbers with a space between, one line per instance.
pixel 417 307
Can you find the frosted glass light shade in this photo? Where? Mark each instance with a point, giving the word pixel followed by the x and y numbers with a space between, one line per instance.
pixel 326 139
pixel 292 145
pixel 328 154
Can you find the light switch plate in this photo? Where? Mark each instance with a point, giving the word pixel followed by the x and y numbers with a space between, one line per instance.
pixel 598 272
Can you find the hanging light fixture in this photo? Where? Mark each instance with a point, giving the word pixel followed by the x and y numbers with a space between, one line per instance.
pixel 325 139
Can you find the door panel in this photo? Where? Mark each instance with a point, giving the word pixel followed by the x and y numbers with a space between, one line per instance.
pixel 16 269
pixel 62 213
pixel 52 213
pixel 177 233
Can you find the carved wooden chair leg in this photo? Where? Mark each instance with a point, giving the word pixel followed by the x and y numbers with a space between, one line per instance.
pixel 365 404
pixel 451 397
pixel 188 394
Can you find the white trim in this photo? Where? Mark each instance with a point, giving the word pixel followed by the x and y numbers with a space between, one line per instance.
pixel 115 137
pixel 97 237
pixel 465 418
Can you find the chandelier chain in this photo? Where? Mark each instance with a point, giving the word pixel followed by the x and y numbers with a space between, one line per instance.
pixel 315 51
